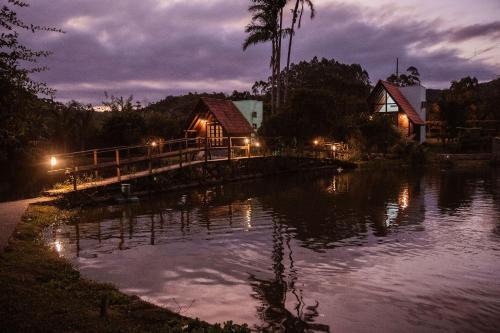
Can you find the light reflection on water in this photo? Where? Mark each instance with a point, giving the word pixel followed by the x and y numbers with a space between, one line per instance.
pixel 362 252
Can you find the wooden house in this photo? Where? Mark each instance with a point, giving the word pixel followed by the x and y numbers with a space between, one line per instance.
pixel 406 106
pixel 217 118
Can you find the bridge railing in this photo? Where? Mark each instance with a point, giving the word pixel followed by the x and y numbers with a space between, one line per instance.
pixel 98 164
pixel 118 163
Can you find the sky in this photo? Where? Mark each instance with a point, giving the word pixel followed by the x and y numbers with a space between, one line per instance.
pixel 155 48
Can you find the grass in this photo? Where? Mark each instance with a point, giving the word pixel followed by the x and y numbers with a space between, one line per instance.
pixel 41 292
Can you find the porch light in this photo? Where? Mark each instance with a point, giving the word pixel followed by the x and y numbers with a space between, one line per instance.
pixel 153 144
pixel 257 144
pixel 315 142
pixel 370 118
pixel 53 161
pixel 247 141
pixel 334 147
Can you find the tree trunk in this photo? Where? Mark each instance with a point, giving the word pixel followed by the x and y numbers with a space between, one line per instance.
pixel 273 75
pixel 292 31
pixel 278 62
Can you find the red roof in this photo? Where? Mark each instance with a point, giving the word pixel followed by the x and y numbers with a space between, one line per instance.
pixel 402 102
pixel 228 115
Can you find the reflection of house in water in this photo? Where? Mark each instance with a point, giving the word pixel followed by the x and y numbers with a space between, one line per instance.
pixel 409 207
pixel 339 184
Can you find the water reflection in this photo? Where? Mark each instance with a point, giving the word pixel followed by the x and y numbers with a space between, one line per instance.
pixel 308 253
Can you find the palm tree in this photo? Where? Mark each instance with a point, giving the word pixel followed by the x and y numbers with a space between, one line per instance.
pixel 295 16
pixel 266 25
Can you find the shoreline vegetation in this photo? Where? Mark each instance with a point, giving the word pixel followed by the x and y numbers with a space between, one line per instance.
pixel 39 289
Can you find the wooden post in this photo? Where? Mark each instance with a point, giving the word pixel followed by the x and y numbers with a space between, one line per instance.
pixel 96 172
pixel 206 150
pixel 75 169
pixel 249 154
pixel 180 156
pixel 229 148
pixel 117 161
pixel 150 161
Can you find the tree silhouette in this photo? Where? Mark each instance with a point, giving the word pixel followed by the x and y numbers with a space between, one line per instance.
pixel 411 78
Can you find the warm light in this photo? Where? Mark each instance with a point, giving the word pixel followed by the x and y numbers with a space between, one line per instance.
pixel 58 246
pixel 315 142
pixel 404 198
pixel 371 117
pixel 153 143
pixel 53 161
pixel 334 148
pixel 247 141
pixel 257 144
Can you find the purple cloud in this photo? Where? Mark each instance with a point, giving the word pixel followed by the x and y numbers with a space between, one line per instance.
pixel 153 48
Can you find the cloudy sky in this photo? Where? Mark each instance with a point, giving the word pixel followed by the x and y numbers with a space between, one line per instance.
pixel 153 48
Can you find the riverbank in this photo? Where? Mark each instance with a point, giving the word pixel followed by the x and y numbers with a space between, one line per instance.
pixel 41 292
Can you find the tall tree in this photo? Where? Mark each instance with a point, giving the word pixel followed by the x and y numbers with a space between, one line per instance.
pixel 295 16
pixel 20 107
pixel 411 78
pixel 266 26
pixel 14 56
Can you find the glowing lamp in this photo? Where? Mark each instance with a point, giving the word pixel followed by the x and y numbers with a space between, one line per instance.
pixel 247 141
pixel 257 144
pixel 315 142
pixel 53 161
pixel 334 148
pixel 153 143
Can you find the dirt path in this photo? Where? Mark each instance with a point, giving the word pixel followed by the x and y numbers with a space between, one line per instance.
pixel 10 215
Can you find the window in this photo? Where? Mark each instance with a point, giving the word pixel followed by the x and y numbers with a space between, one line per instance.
pixel 424 105
pixel 254 114
pixel 254 126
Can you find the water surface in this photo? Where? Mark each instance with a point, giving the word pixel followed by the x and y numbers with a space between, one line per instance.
pixel 373 251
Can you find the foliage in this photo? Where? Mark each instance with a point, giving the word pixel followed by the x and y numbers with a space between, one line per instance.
pixel 459 103
pixel 327 98
pixel 116 104
pixel 161 125
pixel 14 56
pixel 379 134
pixel 488 100
pixel 411 78
pixel 123 128
pixel 72 125
pixel 20 108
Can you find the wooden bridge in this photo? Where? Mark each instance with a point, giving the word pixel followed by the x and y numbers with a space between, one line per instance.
pixel 101 167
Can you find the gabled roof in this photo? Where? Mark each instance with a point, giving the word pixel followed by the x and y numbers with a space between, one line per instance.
pixel 401 101
pixel 228 115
